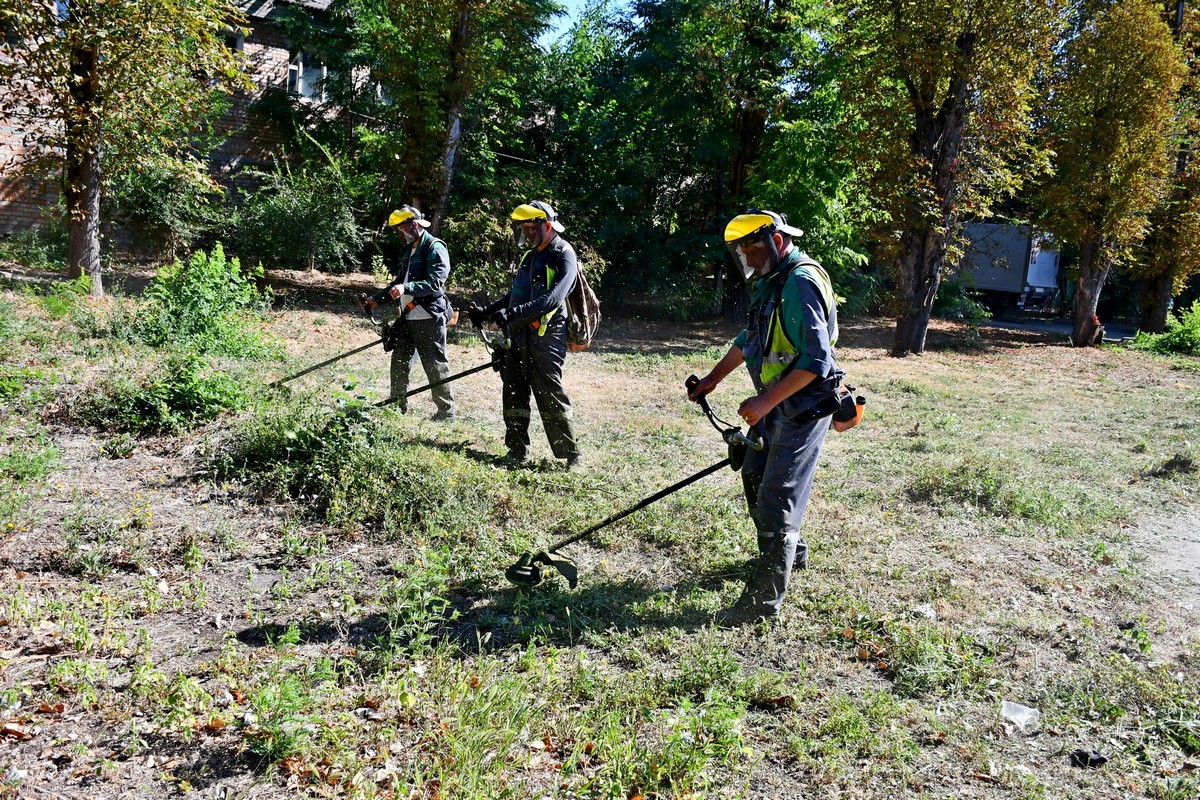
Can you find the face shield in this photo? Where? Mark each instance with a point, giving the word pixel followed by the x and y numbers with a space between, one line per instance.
pixel 755 253
pixel 528 233
pixel 408 232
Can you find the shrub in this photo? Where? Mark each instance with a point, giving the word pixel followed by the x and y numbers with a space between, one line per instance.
pixel 41 247
pixel 301 219
pixel 1181 336
pixel 178 395
pixel 353 469
pixel 167 201
pixel 482 250
pixel 205 305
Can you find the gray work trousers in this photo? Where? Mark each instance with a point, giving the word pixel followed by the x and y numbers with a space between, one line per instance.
pixel 533 365
pixel 427 339
pixel 777 481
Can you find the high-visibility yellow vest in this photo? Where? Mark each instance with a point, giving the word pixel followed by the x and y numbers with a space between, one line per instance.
pixel 778 350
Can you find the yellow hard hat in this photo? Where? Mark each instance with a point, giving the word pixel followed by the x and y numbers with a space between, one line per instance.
pixel 754 222
pixel 536 209
pixel 404 214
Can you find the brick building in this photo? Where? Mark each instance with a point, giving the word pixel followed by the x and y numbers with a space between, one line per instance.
pixel 249 140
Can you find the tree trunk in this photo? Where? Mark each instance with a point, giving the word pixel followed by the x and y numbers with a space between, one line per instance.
pixel 455 98
pixel 936 140
pixel 1093 271
pixel 82 191
pixel 922 257
pixel 1154 297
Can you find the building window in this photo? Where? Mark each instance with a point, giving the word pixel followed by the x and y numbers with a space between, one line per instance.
pixel 235 41
pixel 306 77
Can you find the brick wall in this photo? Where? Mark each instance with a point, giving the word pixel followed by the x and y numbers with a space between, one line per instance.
pixel 23 200
pixel 250 139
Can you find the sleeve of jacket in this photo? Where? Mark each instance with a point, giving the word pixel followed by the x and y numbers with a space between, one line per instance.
pixel 437 273
pixel 566 270
pixel 807 325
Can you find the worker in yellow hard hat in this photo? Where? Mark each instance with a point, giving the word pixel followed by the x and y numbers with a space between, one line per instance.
pixel 534 313
pixel 417 309
pixel 787 347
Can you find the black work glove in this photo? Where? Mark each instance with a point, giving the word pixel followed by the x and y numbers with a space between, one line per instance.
pixel 501 317
pixel 476 315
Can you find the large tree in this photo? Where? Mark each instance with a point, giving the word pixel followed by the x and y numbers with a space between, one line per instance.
pixel 98 81
pixel 1171 254
pixel 417 76
pixel 657 118
pixel 1109 124
pixel 943 92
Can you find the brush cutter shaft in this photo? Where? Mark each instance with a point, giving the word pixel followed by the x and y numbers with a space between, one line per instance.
pixel 325 363
pixel 434 385
pixel 675 487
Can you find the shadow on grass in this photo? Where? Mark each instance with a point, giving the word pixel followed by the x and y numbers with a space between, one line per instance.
pixel 482 619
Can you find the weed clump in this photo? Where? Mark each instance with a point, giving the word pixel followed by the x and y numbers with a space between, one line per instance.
pixel 1181 336
pixel 986 487
pixel 179 395
pixel 354 469
pixel 207 304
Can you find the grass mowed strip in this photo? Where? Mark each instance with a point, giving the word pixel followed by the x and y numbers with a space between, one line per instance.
pixel 293 593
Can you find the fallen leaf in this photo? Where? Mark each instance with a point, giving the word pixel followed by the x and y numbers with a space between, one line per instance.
pixel 848 633
pixel 215 724
pixel 863 654
pixel 46 708
pixel 12 730
pixel 783 701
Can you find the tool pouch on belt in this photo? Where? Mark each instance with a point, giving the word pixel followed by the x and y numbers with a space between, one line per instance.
pixel 841 404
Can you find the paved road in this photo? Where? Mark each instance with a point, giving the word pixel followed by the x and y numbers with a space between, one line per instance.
pixel 1113 331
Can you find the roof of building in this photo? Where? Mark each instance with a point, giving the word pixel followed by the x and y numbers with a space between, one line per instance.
pixel 264 9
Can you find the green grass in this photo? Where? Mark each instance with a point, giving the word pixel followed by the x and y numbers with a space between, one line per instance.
pixel 312 593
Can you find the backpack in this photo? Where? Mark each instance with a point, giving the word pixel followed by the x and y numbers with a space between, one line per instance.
pixel 583 314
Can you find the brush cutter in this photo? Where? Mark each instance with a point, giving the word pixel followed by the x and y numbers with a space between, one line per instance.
pixel 495 345
pixel 375 323
pixel 527 571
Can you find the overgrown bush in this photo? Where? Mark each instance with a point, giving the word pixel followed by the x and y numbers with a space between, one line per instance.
pixel 1182 335
pixel 167 202
pixel 353 469
pixel 300 218
pixel 208 305
pixel 180 394
pixel 42 247
pixel 482 251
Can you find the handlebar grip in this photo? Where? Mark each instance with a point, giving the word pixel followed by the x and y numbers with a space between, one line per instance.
pixel 690 383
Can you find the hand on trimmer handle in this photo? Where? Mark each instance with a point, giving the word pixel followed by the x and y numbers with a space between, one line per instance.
pixel 698 394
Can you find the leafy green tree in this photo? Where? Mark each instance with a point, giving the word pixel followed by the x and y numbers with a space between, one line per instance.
pixel 942 94
pixel 655 122
pixel 113 78
pixel 414 77
pixel 1171 253
pixel 1110 120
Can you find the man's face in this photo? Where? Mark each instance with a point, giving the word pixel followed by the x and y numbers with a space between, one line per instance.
pixel 408 231
pixel 760 256
pixel 534 231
